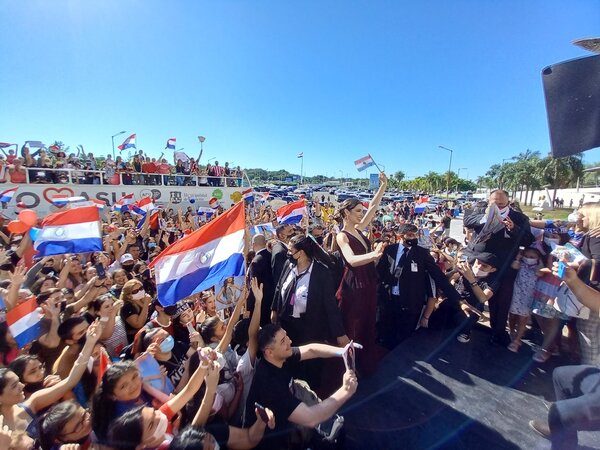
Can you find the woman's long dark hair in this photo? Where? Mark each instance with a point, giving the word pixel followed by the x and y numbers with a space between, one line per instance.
pixel 18 366
pixel 126 431
pixel 311 248
pixel 103 403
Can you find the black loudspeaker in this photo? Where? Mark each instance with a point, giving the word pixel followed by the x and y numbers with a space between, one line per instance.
pixel 572 91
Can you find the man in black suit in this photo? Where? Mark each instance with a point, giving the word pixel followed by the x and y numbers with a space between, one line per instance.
pixel 406 272
pixel 279 251
pixel 260 268
pixel 504 243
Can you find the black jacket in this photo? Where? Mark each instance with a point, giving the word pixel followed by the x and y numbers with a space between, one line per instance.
pixel 260 268
pixel 278 260
pixel 504 244
pixel 322 314
pixel 414 286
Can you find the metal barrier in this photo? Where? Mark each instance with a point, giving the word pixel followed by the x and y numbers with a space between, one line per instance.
pixel 41 175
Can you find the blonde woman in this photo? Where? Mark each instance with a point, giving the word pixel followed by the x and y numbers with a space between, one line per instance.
pixel 589 329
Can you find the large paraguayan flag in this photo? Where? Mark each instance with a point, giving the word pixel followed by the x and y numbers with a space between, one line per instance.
pixel 128 143
pixel 24 322
pixel 73 231
pixel 291 213
pixel 364 163
pixel 202 259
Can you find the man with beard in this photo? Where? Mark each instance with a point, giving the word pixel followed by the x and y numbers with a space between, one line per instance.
pixel 406 272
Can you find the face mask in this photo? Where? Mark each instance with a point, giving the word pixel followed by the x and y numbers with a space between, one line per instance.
pixel 411 242
pixel 530 261
pixel 292 260
pixel 151 245
pixel 127 268
pixel 480 273
pixel 161 428
pixel 139 295
pixel 167 345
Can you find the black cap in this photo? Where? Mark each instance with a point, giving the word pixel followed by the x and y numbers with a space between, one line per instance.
pixel 486 257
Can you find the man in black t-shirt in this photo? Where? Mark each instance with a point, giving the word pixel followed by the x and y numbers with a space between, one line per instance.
pixel 272 386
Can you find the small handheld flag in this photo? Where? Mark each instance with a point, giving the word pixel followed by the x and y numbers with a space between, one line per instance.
pixel 364 163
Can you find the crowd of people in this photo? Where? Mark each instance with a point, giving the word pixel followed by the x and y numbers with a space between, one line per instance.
pixel 274 370
pixel 44 166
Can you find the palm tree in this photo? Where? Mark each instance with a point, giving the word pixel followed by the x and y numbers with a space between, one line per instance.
pixel 526 164
pixel 560 173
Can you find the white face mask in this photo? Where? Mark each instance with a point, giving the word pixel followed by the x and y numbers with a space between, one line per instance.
pixel 161 429
pixel 530 261
pixel 480 273
pixel 139 295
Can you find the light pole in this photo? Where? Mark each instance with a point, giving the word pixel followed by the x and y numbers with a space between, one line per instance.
pixel 113 141
pixel 210 159
pixel 449 170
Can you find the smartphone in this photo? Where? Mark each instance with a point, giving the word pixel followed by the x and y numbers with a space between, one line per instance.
pixel 100 271
pixel 190 327
pixel 561 269
pixel 262 412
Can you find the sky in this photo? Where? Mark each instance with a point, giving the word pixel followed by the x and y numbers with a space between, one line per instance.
pixel 264 80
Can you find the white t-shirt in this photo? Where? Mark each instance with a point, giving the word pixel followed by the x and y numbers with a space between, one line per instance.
pixel 246 369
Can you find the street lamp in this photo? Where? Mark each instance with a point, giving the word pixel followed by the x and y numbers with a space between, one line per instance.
pixel 113 141
pixel 210 159
pixel 449 169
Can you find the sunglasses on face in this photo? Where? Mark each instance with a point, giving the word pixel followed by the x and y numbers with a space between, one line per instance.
pixel 135 291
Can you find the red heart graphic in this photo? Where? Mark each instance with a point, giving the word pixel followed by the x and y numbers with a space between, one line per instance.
pixel 51 192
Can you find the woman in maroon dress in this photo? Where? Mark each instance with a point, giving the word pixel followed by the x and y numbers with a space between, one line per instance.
pixel 357 292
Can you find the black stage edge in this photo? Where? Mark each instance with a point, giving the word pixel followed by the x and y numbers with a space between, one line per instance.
pixel 433 392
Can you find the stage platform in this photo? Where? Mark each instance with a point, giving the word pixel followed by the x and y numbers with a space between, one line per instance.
pixel 433 392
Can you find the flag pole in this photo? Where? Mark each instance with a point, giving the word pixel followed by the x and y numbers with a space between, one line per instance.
pixel 378 168
pixel 301 169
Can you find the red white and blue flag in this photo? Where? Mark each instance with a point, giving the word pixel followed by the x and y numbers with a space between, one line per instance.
pixel 203 258
pixel 364 163
pixel 292 212
pixel 7 195
pixel 128 143
pixel 171 143
pixel 123 203
pixel 61 200
pixel 248 195
pixel 73 231
pixel 100 204
pixel 24 322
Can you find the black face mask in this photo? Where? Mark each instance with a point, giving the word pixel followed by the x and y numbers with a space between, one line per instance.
pixel 292 260
pixel 411 242
pixel 127 268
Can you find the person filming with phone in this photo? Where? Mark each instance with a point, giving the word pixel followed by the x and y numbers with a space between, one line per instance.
pixel 273 387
